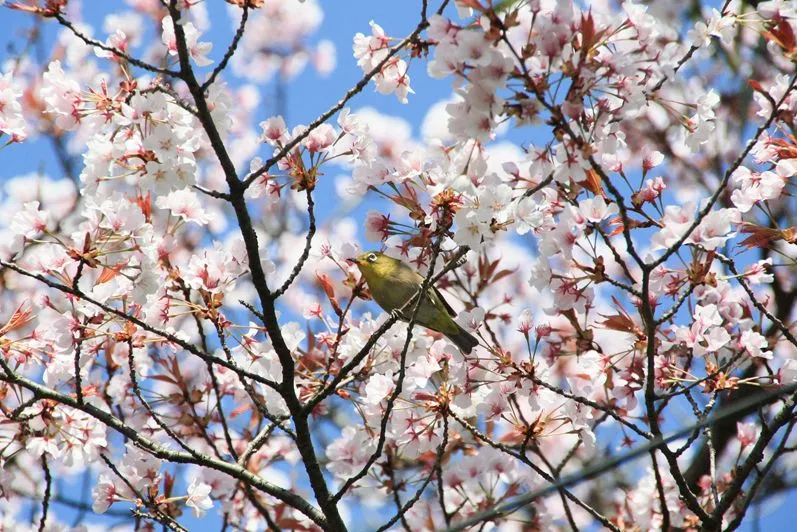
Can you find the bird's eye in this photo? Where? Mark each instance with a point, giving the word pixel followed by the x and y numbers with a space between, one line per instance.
pixel 372 257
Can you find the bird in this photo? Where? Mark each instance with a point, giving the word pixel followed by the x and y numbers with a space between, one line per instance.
pixel 393 283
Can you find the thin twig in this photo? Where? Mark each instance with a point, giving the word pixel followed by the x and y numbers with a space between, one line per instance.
pixel 102 46
pixel 722 185
pixel 612 463
pixel 330 388
pixel 665 511
pixel 763 475
pixel 554 485
pixel 416 300
pixel 155 417
pixel 230 50
pixel 159 451
pixel 157 515
pixel 305 252
pixel 138 322
pixel 48 485
pixel 592 404
pixel 358 87
pixel 415 498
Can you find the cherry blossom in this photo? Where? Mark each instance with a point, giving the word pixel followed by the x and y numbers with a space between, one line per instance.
pixel 185 204
pixel 276 41
pixel 747 433
pixel 62 96
pixel 11 120
pixel 198 497
pixel 197 50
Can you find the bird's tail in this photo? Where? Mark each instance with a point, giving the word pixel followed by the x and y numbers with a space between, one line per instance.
pixel 464 340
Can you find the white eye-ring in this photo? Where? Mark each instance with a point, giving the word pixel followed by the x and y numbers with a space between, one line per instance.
pixel 372 257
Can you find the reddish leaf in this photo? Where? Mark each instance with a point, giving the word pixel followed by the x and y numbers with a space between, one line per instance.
pixel 251 4
pixel 239 410
pixel 782 35
pixel 475 4
pixel 163 378
pixel 21 317
pixel 329 290
pixel 618 222
pixel 756 86
pixel 110 272
pixel 763 237
pixel 50 8
pixel 621 321
pixel 168 483
pixel 501 275
pixel 593 183
pixel 618 322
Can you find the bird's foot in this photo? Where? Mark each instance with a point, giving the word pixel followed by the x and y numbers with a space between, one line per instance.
pixel 397 315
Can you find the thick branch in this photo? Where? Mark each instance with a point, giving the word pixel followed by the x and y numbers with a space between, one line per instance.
pixel 157 450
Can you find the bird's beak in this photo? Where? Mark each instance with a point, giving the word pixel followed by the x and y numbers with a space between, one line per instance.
pixel 352 260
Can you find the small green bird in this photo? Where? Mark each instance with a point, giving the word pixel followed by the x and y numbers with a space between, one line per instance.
pixel 393 283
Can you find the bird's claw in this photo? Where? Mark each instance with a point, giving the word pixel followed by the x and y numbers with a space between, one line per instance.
pixel 396 314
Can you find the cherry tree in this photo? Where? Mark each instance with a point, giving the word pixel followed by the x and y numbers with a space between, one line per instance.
pixel 605 201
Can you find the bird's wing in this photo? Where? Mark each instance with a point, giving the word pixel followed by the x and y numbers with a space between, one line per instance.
pixel 435 296
pixel 434 293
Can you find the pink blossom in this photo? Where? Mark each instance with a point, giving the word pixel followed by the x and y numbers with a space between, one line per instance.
pixel 472 319
pixel 320 139
pixel 651 190
pixel 274 130
pixel 422 370
pixel 706 334
pixel 11 121
pixel 349 453
pixel 760 272
pixel 276 41
pixel 473 228
pixel 378 388
pixel 370 50
pixel 184 204
pixel 532 214
pixel 747 433
pixel 199 497
pixel 715 229
pixel 104 494
pixel 596 210
pixel 675 222
pixel 755 186
pixel 651 160
pixel 324 58
pixel 755 344
pixel 394 77
pixel 525 321
pixel 717 26
pixel 30 222
pixel 788 372
pixel 118 41
pixel 213 270
pixel 197 50
pixel 377 226
pixel 63 97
